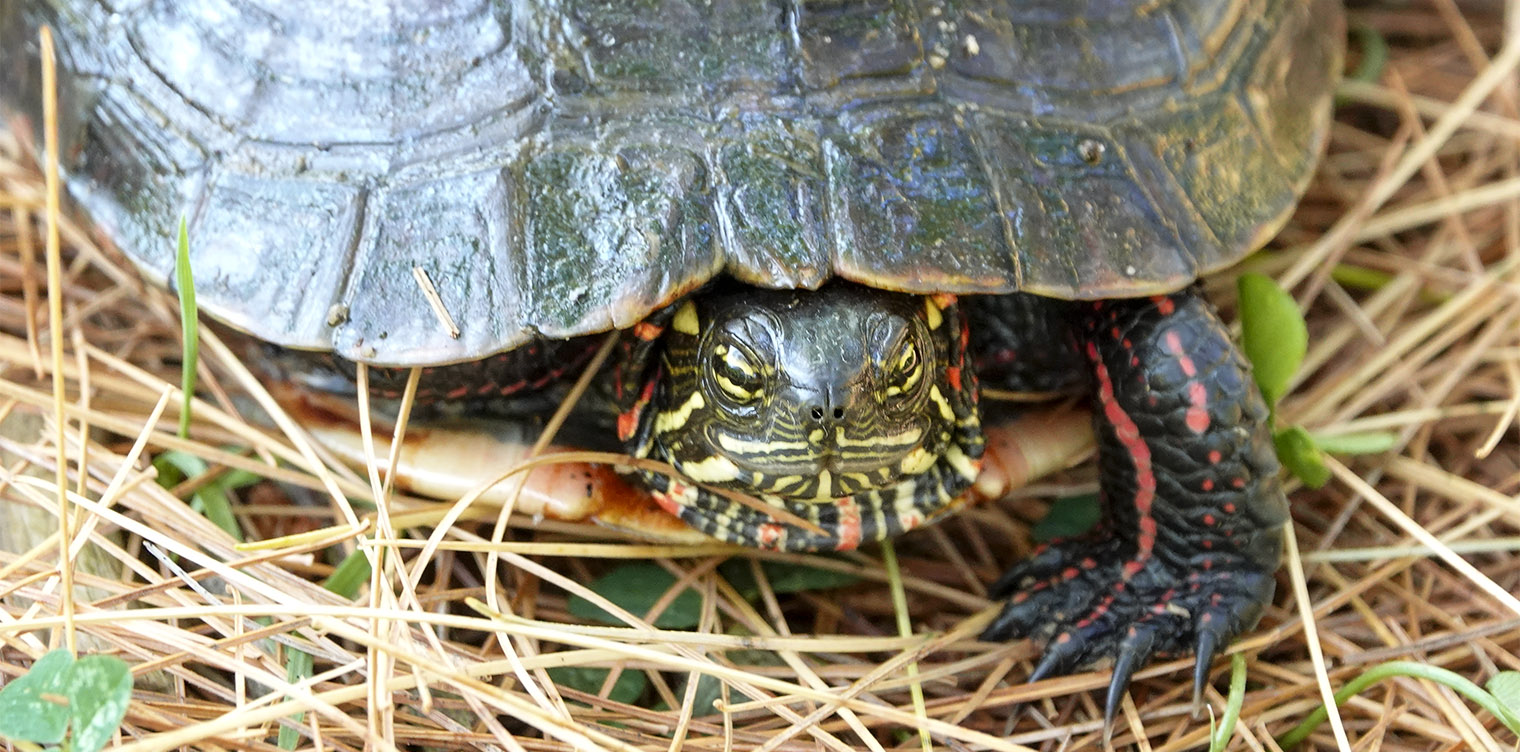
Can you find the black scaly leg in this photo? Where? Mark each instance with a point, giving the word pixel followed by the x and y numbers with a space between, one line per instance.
pixel 1184 558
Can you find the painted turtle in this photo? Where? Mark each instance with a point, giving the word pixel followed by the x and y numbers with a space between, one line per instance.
pixel 821 225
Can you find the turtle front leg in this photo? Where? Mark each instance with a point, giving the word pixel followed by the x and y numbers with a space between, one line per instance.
pixel 1190 538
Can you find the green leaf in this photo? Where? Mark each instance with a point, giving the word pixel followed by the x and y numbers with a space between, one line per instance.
pixel 90 695
pixel 1374 49
pixel 350 575
pixel 100 688
pixel 784 577
pixel 1371 442
pixel 298 667
pixel 709 689
pixel 1298 452
pixel 34 707
pixel 184 282
pixel 186 464
pixel 627 688
pixel 635 587
pixel 1273 336
pixel 212 499
pixel 1068 518
pixel 1505 687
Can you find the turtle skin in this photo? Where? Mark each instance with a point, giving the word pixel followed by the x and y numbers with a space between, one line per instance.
pixel 1192 508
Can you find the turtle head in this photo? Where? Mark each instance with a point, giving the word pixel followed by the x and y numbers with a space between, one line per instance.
pixel 807 395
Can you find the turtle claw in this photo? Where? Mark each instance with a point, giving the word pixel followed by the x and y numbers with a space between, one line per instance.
pixel 1134 652
pixel 1059 658
pixel 1209 637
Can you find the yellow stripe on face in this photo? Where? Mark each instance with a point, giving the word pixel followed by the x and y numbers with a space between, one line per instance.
pixel 685 321
pixel 960 462
pixel 825 485
pixel 670 420
pixel 944 405
pixel 916 462
pixel 906 438
pixel 931 313
pixel 748 448
pixel 714 469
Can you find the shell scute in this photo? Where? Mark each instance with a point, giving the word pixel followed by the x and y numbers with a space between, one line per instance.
pixel 612 233
pixel 772 209
pixel 1079 215
pixel 291 269
pixel 912 205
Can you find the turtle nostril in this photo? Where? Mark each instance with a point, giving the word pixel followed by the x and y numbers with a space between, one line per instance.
pixel 838 413
pixel 817 413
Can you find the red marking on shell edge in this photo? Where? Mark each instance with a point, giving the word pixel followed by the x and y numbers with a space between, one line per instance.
pixel 1132 568
pixel 647 331
pixel 1139 453
pixel 944 299
pixel 1198 411
pixel 1164 304
pixel 953 375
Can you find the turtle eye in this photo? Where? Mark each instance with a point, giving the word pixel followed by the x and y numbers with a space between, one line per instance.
pixel 737 373
pixel 905 369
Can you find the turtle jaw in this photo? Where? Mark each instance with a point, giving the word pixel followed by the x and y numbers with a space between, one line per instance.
pixel 820 467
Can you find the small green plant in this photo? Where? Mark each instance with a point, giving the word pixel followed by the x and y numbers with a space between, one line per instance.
pixel 74 704
pixel 345 581
pixel 1275 340
pixel 214 497
pixel 189 324
pixel 1502 698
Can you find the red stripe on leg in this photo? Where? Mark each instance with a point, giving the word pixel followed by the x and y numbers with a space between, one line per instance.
pixel 1139 453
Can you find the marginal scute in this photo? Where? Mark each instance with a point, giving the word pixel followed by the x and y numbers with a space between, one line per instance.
pixel 235 247
pixel 772 206
pixel 1079 217
pixel 1223 168
pixel 635 220
pixel 452 229
pixel 911 206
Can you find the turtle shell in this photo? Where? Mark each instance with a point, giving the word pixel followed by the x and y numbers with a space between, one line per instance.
pixel 563 168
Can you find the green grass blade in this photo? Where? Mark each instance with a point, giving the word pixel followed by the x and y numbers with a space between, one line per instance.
pixel 184 283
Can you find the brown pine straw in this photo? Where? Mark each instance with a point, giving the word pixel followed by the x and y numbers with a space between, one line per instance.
pixel 1403 256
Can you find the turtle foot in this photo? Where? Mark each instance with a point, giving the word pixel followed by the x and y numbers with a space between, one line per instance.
pixel 1091 602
